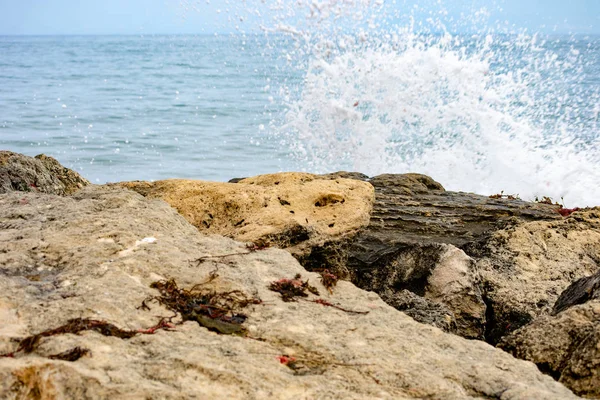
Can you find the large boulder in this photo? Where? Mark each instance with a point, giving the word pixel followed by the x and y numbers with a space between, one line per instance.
pixel 95 255
pixel 288 210
pixel 526 267
pixel 566 345
pixel 412 244
pixel 40 174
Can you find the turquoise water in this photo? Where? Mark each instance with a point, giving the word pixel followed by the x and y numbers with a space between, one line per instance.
pixel 216 107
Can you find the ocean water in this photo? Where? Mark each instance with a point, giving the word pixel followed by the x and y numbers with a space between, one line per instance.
pixel 131 107
pixel 485 112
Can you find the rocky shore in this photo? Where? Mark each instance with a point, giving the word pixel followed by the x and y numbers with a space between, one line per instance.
pixel 291 286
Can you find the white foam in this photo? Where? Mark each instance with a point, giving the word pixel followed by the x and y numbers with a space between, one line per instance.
pixel 485 114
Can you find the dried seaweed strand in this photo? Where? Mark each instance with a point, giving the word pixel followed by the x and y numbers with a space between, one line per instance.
pixel 328 304
pixel 77 325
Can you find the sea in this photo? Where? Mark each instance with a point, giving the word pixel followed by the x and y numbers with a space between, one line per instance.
pixel 482 112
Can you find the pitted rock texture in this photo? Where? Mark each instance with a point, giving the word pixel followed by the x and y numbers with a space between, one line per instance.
pixel 40 174
pixel 95 254
pixel 284 210
pixel 527 267
pixel 565 346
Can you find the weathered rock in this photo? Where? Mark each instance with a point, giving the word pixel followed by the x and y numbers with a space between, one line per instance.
pixel 412 223
pixel 526 253
pixel 40 174
pixel 413 208
pixel 442 274
pixel 565 346
pixel 346 175
pixel 581 291
pixel 288 210
pixel 528 266
pixel 421 309
pixel 95 254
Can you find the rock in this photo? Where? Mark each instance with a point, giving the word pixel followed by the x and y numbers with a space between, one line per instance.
pixel 414 225
pixel 40 174
pixel 288 210
pixel 442 274
pixel 346 175
pixel 406 183
pixel 421 309
pixel 579 292
pixel 334 175
pixel 413 208
pixel 525 268
pixel 95 255
pixel 565 346
pixel 522 254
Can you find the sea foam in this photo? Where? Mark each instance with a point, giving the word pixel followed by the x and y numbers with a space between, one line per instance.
pixel 482 110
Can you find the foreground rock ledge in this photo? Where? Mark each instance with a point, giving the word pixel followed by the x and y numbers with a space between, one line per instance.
pixel 85 256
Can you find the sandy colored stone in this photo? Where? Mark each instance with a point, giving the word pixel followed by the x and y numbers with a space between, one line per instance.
pixel 565 346
pixel 525 268
pixel 455 283
pixel 44 174
pixel 281 209
pixel 91 256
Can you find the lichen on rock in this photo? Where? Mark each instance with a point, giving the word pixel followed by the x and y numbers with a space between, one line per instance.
pixel 40 174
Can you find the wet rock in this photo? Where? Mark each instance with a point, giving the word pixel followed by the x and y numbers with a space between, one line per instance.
pixel 288 210
pixel 95 255
pixel 564 346
pixel 413 208
pixel 406 183
pixel 581 291
pixel 346 175
pixel 40 174
pixel 442 274
pixel 414 225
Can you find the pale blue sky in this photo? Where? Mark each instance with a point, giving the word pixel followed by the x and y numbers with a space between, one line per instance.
pixel 27 17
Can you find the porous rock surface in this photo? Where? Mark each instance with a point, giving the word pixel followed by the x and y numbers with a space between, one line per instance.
pixel 565 346
pixel 44 174
pixel 287 210
pixel 481 266
pixel 526 267
pixel 95 254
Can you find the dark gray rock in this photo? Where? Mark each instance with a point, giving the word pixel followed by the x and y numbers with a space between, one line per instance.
pixel 579 292
pixel 347 175
pixel 412 222
pixel 40 174
pixel 421 309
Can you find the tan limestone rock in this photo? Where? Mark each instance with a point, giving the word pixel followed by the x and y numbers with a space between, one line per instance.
pixel 528 266
pixel 95 255
pixel 283 209
pixel 565 346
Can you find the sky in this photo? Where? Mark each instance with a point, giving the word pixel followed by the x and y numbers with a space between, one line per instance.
pixel 67 17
